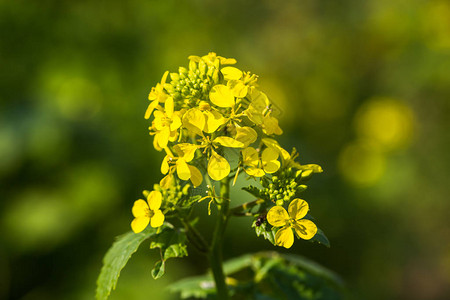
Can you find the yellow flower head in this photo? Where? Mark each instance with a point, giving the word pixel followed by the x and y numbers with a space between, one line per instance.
pixel 147 212
pixel 156 95
pixel 185 171
pixel 290 222
pixel 256 166
pixel 166 124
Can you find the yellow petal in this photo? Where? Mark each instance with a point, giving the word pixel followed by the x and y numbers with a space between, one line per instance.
pixel 269 159
pixel 271 126
pixel 260 102
pixel 194 120
pixel 139 224
pixel 167 181
pixel 176 123
pixel 250 157
pixel 165 165
pixel 271 166
pixel 154 200
pixel 213 121
pixel 271 143
pixel 155 144
pixel 168 107
pixel 305 229
pixel 298 208
pixel 157 219
pixel 186 151
pixel 256 172
pixel 150 109
pixel 221 96
pixel 227 141
pixel 284 237
pixel 140 208
pixel 164 77
pixel 246 135
pixel 218 167
pixel 269 154
pixel 183 171
pixel 158 122
pixel 315 168
pixel 257 107
pixel 162 137
pixel 173 136
pixel 239 89
pixel 254 115
pixel 196 176
pixel 277 216
pixel 231 73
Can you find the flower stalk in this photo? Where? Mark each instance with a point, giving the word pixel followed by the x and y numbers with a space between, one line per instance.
pixel 216 257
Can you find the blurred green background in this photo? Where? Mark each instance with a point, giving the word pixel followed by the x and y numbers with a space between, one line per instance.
pixel 363 87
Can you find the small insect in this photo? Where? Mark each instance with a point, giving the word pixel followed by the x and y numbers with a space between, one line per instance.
pixel 261 219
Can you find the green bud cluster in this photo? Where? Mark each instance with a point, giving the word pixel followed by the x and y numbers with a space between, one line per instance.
pixel 283 186
pixel 193 85
pixel 176 194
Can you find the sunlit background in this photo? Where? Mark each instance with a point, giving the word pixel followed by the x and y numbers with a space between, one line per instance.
pixel 363 88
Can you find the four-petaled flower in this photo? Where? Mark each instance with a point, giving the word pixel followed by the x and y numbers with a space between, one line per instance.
pixel 256 166
pixel 279 217
pixel 147 213
pixel 166 124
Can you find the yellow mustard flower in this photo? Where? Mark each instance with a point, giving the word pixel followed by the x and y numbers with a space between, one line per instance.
pixel 271 143
pixel 202 119
pixel 245 135
pixel 260 113
pixel 290 222
pixel 156 96
pixel 212 58
pixel 179 164
pixel 166 124
pixel 256 166
pixel 147 212
pixel 197 122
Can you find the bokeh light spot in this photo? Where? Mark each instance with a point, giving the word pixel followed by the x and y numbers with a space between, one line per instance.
pixel 387 122
pixel 361 163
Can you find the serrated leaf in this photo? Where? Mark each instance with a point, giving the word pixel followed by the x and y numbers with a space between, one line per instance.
pixel 172 243
pixel 116 258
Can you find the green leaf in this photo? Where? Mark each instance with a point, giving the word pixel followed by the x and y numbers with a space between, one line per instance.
pixel 116 258
pixel 236 264
pixel 321 238
pixel 265 229
pixel 159 269
pixel 254 191
pixel 268 276
pixel 194 287
pixel 172 243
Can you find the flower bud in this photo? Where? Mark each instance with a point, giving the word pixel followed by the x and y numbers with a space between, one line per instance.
pixel 204 105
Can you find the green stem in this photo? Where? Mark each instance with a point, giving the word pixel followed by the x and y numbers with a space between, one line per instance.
pixel 240 210
pixel 216 246
pixel 195 237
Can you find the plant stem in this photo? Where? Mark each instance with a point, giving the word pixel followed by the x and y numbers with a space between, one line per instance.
pixel 239 210
pixel 216 246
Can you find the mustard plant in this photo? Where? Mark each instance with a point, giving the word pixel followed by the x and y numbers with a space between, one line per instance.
pixel 214 125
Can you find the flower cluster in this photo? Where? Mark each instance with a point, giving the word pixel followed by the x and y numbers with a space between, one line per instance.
pixel 211 119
